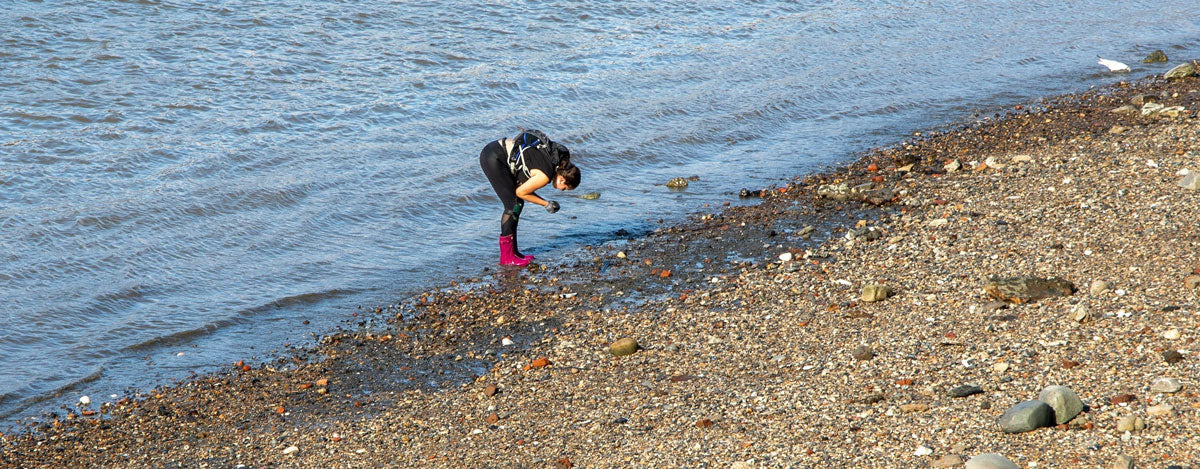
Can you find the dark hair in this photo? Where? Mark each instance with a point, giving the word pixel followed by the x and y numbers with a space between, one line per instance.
pixel 565 168
pixel 569 172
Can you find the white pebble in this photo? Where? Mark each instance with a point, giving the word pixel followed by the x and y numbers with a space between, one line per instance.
pixel 290 450
pixel 785 257
pixel 506 341
pixel 923 451
pixel 1172 334
pixel 1160 410
pixel 85 400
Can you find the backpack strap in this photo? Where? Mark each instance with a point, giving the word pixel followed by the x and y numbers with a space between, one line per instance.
pixel 516 155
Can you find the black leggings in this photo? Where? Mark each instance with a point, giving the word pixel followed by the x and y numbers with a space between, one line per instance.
pixel 494 162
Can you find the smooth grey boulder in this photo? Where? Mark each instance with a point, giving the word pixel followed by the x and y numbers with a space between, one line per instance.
pixel 1166 385
pixel 1063 400
pixel 1027 416
pixel 990 461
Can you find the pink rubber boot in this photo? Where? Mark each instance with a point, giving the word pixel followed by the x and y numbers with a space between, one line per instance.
pixel 517 250
pixel 507 257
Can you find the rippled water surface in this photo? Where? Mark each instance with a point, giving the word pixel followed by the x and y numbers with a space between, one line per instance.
pixel 185 184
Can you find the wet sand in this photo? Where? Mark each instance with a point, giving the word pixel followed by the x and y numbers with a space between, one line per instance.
pixel 757 346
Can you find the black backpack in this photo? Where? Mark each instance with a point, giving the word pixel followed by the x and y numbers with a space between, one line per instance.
pixel 535 139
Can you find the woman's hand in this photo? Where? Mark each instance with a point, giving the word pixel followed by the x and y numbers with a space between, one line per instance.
pixel 551 206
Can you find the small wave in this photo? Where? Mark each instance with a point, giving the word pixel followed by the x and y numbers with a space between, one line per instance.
pixel 38 398
pixel 269 126
pixel 187 106
pixel 32 117
pixel 244 316
pixel 184 336
pixel 301 299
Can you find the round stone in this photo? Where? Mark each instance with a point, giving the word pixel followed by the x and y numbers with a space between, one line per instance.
pixel 990 461
pixel 875 292
pixel 1063 400
pixel 862 352
pixel 1098 287
pixel 623 347
pixel 1166 385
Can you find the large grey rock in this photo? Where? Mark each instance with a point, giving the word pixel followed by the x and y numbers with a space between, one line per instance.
pixel 1180 71
pixel 1027 416
pixel 1027 289
pixel 990 461
pixel 1123 462
pixel 1063 400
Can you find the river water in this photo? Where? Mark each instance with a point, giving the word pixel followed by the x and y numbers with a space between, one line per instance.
pixel 184 184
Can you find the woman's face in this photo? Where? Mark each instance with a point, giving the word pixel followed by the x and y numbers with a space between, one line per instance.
pixel 560 183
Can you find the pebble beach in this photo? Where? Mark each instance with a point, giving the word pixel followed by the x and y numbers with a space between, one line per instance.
pixel 1018 291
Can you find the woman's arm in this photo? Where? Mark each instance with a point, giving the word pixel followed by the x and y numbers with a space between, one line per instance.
pixel 537 180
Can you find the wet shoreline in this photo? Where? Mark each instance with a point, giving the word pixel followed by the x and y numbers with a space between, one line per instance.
pixel 747 316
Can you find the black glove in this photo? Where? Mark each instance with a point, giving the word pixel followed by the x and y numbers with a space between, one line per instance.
pixel 552 206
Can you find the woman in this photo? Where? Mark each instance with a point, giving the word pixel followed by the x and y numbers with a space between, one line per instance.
pixel 517 167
